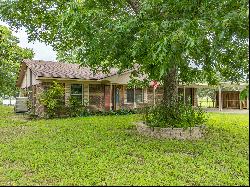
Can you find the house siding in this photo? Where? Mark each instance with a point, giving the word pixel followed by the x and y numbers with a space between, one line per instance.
pixel 67 92
pixel 86 92
pixel 29 79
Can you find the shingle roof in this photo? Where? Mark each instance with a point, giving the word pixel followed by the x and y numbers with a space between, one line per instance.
pixel 64 70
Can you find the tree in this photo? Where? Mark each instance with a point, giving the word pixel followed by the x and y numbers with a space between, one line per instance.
pixel 11 55
pixel 171 41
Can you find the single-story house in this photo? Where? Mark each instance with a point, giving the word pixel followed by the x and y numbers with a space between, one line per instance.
pixel 102 91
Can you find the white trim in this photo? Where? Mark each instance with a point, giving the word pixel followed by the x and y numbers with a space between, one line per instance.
pixel 146 95
pixel 77 94
pixel 73 80
pixel 154 95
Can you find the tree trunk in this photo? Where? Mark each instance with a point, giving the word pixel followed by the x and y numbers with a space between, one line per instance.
pixel 170 86
pixel 134 4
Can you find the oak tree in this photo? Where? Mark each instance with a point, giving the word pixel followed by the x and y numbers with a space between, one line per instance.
pixel 170 41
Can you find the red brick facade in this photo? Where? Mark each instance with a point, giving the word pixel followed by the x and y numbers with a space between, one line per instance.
pixel 104 97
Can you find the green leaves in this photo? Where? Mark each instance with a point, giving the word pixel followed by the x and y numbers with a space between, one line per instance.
pixel 244 93
pixel 53 100
pixel 178 115
pixel 213 34
pixel 11 56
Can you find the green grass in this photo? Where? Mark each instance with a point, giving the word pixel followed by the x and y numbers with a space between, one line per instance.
pixel 106 150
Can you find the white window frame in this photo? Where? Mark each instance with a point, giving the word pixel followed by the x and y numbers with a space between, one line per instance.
pixel 134 95
pixel 77 94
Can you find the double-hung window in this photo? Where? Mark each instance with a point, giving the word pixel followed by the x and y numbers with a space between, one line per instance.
pixel 138 95
pixel 130 95
pixel 77 92
pixel 135 95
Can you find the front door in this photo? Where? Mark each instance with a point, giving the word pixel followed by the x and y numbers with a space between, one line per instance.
pixel 115 97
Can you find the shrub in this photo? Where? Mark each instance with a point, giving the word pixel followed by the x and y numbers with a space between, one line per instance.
pixel 114 112
pixel 178 115
pixel 53 100
pixel 76 108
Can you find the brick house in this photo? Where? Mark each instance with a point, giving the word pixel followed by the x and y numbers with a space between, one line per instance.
pixel 102 91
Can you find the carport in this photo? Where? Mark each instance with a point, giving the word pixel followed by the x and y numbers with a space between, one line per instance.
pixel 227 95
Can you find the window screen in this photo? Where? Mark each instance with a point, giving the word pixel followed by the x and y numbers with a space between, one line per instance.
pixel 130 95
pixel 138 95
pixel 77 92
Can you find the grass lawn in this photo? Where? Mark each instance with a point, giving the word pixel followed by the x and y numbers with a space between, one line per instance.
pixel 108 151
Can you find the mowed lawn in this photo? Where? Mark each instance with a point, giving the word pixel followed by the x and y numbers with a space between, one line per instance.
pixel 106 150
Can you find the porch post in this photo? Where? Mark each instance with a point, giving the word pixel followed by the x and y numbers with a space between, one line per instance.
pixel 145 99
pixel 134 98
pixel 240 102
pixel 110 96
pixel 184 95
pixel 220 103
pixel 154 95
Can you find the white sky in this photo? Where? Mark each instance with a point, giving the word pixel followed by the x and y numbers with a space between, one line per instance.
pixel 41 50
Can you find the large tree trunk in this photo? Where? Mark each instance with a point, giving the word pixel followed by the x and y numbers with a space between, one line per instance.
pixel 170 86
pixel 170 83
pixel 134 4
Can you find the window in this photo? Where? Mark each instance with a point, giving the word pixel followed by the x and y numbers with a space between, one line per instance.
pixel 138 95
pixel 77 92
pixel 130 95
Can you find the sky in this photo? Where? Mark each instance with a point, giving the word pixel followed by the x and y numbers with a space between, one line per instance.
pixel 41 50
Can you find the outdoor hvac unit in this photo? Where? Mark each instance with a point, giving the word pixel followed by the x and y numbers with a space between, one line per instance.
pixel 21 104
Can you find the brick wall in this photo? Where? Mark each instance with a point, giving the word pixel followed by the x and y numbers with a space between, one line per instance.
pixel 39 108
pixel 96 97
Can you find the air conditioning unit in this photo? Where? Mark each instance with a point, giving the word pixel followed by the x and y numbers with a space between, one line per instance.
pixel 21 104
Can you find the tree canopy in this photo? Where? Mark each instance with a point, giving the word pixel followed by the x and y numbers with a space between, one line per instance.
pixel 206 40
pixel 11 56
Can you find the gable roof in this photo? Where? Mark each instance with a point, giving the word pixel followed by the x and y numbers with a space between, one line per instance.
pixel 51 69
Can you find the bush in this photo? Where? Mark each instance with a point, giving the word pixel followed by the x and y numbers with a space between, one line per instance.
pixel 53 100
pixel 178 115
pixel 76 108
pixel 114 112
